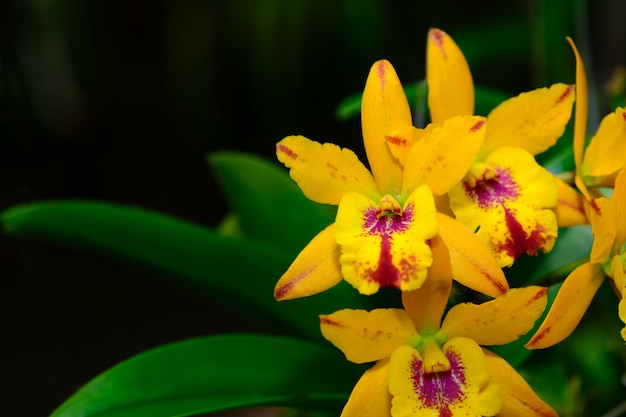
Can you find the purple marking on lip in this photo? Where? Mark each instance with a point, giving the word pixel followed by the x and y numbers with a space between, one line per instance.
pixel 488 193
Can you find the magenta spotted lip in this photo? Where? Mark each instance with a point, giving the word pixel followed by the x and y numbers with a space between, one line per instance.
pixel 490 192
pixel 440 390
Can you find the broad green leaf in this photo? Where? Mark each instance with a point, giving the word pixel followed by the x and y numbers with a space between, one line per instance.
pixel 486 100
pixel 269 205
pixel 236 272
pixel 218 373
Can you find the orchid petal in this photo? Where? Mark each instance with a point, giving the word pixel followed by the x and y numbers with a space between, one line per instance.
pixel 582 105
pixel 367 336
pixel 465 390
pixel 442 156
pixel 569 210
pixel 604 219
pixel 370 396
pixel 383 244
pixel 508 199
pixel 622 312
pixel 401 141
pixel 385 112
pixel 499 321
pixel 314 270
pixel 569 306
pixel 450 85
pixel 427 304
pixel 606 153
pixel 324 172
pixel 518 398
pixel 532 121
pixel 616 273
pixel 473 264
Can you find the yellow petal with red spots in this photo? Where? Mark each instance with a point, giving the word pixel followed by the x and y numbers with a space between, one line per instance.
pixel 370 396
pixel 532 121
pixel 401 141
pixel 568 308
pixel 450 85
pixel 324 172
pixel 314 270
pixel 473 264
pixel 384 244
pixel 427 304
pixel 443 155
pixel 518 398
pixel 367 336
pixel 466 389
pixel 606 153
pixel 498 321
pixel 570 209
pixel 508 199
pixel 384 113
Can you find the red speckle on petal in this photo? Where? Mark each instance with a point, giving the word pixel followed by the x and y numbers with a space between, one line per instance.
pixel 382 70
pixel 539 336
pixel 396 140
pixel 328 322
pixel 477 126
pixel 286 151
pixel 595 207
pixel 624 115
pixel 567 92
pixel 438 37
pixel 539 295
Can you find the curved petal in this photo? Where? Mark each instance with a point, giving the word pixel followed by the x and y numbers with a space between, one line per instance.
pixel 606 153
pixel 518 398
pixel 385 245
pixel 442 156
pixel 324 172
pixel 401 141
pixel 473 264
pixel 508 199
pixel 465 390
pixel 532 121
pixel 570 209
pixel 367 336
pixel 569 306
pixel 450 85
pixel 385 113
pixel 427 304
pixel 604 220
pixel 582 107
pixel 616 273
pixel 370 396
pixel 499 321
pixel 314 270
pixel 622 312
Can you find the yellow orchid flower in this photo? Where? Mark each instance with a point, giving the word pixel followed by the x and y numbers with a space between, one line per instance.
pixel 506 197
pixel 426 367
pixel 607 217
pixel 387 219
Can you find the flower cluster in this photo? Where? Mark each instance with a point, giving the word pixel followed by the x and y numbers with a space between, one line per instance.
pixel 457 200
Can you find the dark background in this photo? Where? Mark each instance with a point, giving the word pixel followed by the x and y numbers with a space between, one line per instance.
pixel 123 100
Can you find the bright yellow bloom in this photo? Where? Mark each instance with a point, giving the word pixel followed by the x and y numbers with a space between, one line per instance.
pixel 426 367
pixel 386 219
pixel 607 217
pixel 506 197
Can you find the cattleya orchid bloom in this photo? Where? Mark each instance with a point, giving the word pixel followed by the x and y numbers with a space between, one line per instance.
pixel 506 197
pixel 426 367
pixel 387 219
pixel 607 217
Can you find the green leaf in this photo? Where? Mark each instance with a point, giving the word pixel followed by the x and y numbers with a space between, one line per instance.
pixel 236 272
pixel 486 100
pixel 218 373
pixel 269 205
